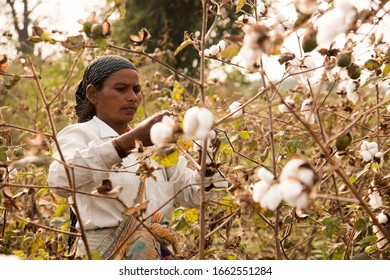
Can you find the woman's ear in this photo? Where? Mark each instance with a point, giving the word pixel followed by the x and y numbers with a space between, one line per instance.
pixel 91 94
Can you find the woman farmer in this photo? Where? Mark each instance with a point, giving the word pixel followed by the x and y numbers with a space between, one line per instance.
pixel 107 99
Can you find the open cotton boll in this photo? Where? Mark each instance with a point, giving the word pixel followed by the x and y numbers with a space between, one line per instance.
pixel 214 50
pixel 352 91
pixel 207 52
pixel 382 218
pixel 366 155
pixel 222 45
pixel 272 198
pixel 290 170
pixel 265 175
pixel 161 133
pixel 306 176
pixel 300 201
pixel 291 189
pixel 375 200
pixel 190 122
pixel 283 108
pixel 233 107
pixel 205 118
pixel 343 5
pixel 329 26
pixel 259 189
pixel 363 146
pixel 372 147
pixel 308 63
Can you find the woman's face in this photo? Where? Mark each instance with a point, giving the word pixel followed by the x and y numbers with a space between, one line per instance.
pixel 116 103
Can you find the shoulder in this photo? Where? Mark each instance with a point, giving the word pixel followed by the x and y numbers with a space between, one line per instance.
pixel 87 129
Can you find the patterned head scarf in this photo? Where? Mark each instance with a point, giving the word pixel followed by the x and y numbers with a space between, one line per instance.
pixel 97 72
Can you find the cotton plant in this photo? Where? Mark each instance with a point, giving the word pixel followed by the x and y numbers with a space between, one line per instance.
pixel 294 186
pixel 215 52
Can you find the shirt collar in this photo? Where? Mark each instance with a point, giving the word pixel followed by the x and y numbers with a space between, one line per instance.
pixel 104 129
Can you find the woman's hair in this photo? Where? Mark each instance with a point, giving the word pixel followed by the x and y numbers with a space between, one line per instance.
pixel 97 71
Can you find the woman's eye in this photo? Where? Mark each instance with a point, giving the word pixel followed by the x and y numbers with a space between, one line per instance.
pixel 137 89
pixel 121 89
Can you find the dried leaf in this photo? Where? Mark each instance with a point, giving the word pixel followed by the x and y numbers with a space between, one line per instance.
pixel 104 187
pixel 3 62
pixel 137 209
pixel 141 38
pixel 106 28
pixel 74 43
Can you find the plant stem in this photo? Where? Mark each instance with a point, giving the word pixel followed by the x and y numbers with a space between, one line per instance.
pixel 202 207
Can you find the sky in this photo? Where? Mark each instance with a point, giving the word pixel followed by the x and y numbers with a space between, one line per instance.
pixel 54 14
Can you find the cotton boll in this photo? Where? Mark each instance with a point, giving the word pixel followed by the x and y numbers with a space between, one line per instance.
pixel 308 62
pixel 375 200
pixel 329 26
pixel 300 201
pixel 290 189
pixel 202 133
pixel 233 107
pixel 222 45
pixel 207 52
pixel 214 50
pixel 343 5
pixel 265 175
pixel 363 146
pixel 259 189
pixel 272 198
pixel 352 91
pixel 366 155
pixel 290 169
pixel 190 122
pixel 306 7
pixel 306 176
pixel 161 133
pixel 382 218
pixel 205 118
pixel 372 147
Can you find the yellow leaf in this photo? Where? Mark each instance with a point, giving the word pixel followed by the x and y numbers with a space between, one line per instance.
pixel 240 4
pixel 182 46
pixel 166 155
pixel 192 215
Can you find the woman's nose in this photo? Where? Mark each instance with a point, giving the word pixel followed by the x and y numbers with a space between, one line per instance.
pixel 131 95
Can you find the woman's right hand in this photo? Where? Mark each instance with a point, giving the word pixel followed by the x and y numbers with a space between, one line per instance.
pixel 141 131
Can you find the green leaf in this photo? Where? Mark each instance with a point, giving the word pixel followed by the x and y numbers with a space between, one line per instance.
pixel 181 224
pixel 264 155
pixel 3 153
pixel 372 64
pixel 240 4
pixel 182 46
pixel 386 70
pixel 331 225
pixel 244 134
pixel 102 43
pixel 369 239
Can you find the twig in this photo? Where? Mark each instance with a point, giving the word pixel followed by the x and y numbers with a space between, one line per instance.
pixel 45 227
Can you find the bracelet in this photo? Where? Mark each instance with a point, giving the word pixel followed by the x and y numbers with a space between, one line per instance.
pixel 121 152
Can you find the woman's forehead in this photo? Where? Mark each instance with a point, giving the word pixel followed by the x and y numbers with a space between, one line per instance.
pixel 124 76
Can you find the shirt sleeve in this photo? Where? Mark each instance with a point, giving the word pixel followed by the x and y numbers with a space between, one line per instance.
pixel 89 158
pixel 186 181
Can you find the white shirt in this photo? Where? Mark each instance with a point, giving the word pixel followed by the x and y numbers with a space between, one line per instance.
pixel 89 145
